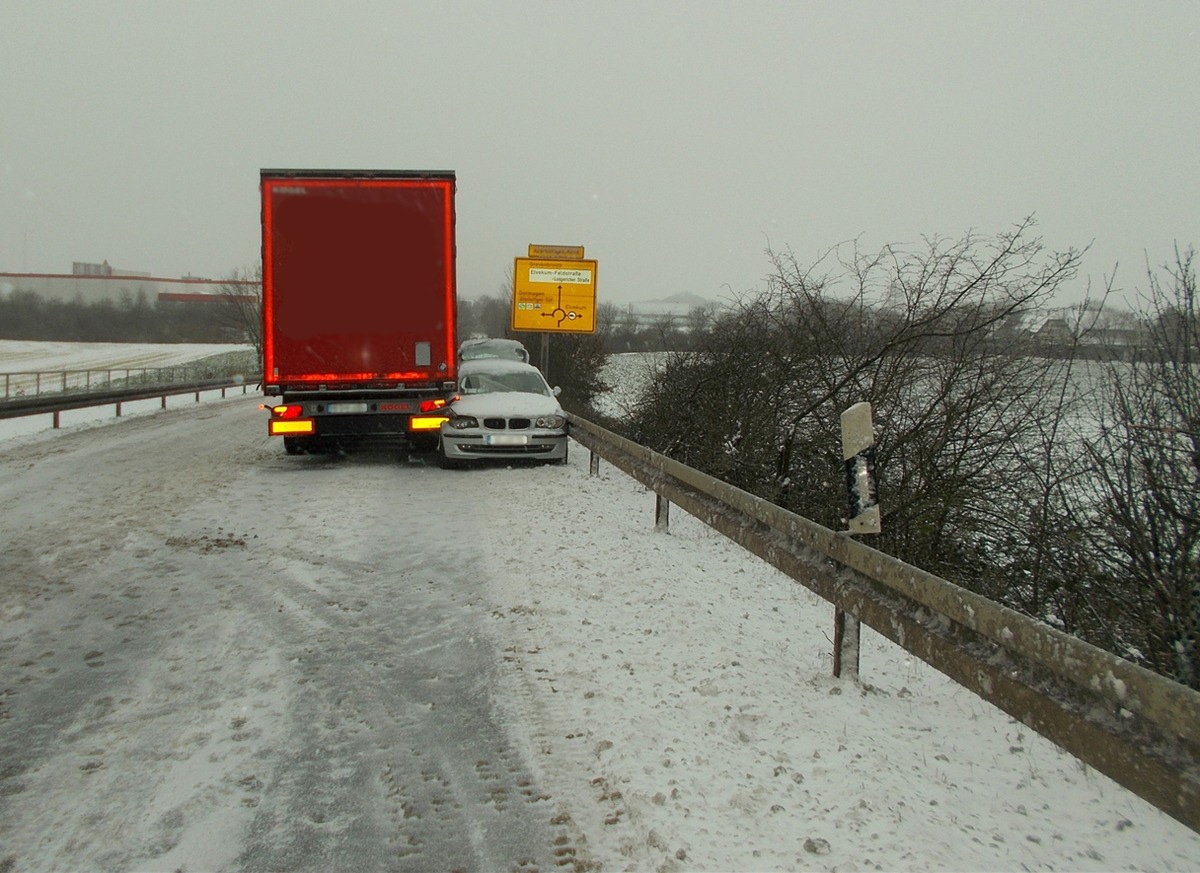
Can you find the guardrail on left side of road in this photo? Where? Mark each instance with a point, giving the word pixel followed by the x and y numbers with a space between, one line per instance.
pixel 54 404
pixel 19 384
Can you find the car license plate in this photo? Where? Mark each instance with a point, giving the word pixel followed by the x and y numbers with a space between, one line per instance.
pixel 345 407
pixel 505 439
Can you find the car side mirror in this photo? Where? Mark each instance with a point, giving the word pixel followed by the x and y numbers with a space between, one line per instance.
pixel 556 391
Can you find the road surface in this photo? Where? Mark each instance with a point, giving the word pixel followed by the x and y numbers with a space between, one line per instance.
pixel 216 655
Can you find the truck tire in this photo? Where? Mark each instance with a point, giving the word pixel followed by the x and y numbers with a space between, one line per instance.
pixel 292 446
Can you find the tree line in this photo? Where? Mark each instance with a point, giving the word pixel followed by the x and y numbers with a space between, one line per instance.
pixel 26 315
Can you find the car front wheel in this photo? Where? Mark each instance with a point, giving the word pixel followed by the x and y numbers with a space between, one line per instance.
pixel 445 462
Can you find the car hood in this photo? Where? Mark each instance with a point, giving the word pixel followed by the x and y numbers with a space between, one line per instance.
pixel 506 404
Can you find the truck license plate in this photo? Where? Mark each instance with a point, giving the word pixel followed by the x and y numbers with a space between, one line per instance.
pixel 505 439
pixel 346 407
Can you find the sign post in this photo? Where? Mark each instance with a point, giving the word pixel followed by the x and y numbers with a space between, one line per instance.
pixel 858 450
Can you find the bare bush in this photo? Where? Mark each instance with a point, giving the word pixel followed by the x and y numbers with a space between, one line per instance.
pixel 1146 484
pixel 932 338
pixel 239 312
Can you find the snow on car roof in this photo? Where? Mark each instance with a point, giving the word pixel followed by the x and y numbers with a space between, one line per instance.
pixel 495 365
pixel 490 340
pixel 492 346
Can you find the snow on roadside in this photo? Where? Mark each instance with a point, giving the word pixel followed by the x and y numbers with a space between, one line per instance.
pixel 20 356
pixel 690 684
pixel 673 696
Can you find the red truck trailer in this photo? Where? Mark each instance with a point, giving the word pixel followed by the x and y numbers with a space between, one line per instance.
pixel 358 305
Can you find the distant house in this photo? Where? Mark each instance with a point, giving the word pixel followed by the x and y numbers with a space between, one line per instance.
pixel 1095 327
pixel 1053 330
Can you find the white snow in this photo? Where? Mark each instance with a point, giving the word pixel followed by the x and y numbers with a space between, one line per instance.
pixel 673 694
pixel 17 356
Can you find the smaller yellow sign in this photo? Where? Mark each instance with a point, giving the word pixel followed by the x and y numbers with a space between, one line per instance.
pixel 556 252
pixel 558 296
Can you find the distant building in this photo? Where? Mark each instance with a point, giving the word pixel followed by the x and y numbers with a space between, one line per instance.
pixel 81 268
pixel 1094 325
pixel 674 311
pixel 94 283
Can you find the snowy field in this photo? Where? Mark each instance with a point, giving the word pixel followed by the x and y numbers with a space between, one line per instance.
pixel 29 357
pixel 670 694
pixel 25 358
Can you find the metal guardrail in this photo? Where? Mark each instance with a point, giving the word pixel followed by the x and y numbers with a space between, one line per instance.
pixel 1135 726
pixel 38 382
pixel 60 401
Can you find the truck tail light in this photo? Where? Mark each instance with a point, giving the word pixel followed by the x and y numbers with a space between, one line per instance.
pixel 431 405
pixel 292 410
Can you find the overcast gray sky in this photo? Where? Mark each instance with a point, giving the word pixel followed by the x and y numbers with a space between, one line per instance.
pixel 674 140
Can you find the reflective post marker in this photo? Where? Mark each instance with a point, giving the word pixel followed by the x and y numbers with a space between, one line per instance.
pixel 858 449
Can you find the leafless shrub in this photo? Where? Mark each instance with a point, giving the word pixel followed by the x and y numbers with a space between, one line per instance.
pixel 933 338
pixel 240 309
pixel 1146 484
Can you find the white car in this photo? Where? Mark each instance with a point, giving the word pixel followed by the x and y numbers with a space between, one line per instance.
pixel 504 410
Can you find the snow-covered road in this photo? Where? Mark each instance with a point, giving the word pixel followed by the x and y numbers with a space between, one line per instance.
pixel 214 656
pixel 217 655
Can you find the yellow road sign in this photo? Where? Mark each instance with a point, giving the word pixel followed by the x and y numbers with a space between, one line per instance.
pixel 554 295
pixel 559 253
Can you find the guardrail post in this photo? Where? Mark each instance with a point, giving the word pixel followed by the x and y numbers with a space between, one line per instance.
pixel 845 645
pixel 662 512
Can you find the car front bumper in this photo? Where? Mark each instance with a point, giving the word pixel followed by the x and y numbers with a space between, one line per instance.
pixel 474 445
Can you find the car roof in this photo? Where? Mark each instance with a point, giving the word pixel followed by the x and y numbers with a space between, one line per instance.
pixel 495 365
pixel 481 340
pixel 500 345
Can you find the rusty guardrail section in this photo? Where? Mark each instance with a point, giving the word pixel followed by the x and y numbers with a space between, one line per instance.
pixel 1135 726
pixel 59 402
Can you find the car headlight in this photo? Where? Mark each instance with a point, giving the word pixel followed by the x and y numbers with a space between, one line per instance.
pixel 462 422
pixel 551 421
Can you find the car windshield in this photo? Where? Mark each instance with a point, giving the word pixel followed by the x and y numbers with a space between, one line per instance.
pixel 490 383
